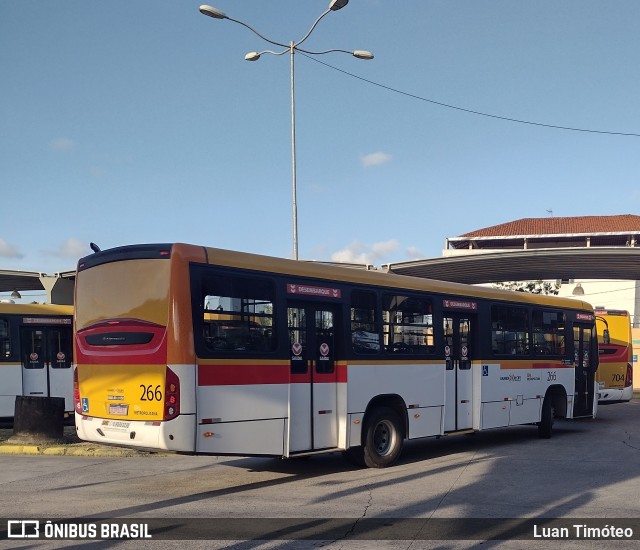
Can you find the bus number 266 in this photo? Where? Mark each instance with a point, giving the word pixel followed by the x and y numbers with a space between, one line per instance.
pixel 150 394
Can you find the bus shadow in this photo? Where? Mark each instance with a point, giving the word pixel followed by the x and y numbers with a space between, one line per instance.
pixel 414 451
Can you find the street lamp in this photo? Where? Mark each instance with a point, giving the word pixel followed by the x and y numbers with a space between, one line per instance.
pixel 292 47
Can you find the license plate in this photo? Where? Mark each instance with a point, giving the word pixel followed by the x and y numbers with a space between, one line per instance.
pixel 118 410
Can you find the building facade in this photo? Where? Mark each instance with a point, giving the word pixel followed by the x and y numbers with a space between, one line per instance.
pixel 568 232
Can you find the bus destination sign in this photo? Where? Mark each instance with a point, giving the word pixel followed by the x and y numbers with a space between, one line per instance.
pixel 460 304
pixel 308 290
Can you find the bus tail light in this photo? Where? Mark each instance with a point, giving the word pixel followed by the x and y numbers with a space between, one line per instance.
pixel 76 392
pixel 628 381
pixel 171 395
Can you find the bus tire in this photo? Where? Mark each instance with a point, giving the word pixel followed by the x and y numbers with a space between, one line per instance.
pixel 545 426
pixel 383 438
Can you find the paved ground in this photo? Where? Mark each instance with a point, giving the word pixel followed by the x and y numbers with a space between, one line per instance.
pixel 71 445
pixel 588 473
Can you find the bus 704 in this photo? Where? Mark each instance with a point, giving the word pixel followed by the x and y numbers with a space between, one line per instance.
pixel 615 373
pixel 201 350
pixel 36 349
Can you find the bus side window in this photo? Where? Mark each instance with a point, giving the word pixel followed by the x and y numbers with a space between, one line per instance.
pixel 509 330
pixel 239 314
pixel 365 337
pixel 5 342
pixel 407 324
pixel 548 332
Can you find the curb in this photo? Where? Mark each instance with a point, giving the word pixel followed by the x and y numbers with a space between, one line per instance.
pixel 67 445
pixel 19 449
pixel 90 451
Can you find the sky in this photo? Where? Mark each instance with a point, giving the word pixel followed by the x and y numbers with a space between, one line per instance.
pixel 128 122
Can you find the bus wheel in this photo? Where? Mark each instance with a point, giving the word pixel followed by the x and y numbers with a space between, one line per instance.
pixel 383 438
pixel 546 419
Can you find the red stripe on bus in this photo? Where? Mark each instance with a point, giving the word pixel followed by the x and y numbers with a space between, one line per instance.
pixel 157 356
pixel 342 372
pixel 255 374
pixel 153 352
pixel 523 365
pixel 551 366
pixel 609 354
pixel 242 375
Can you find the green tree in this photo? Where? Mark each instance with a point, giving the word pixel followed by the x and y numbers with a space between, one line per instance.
pixel 534 287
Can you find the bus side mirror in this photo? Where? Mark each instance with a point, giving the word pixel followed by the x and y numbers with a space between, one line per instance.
pixel 606 338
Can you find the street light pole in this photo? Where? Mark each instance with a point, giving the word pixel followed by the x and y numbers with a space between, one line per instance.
pixel 294 186
pixel 292 47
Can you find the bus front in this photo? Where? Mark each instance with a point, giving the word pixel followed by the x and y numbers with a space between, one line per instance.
pixel 615 373
pixel 132 385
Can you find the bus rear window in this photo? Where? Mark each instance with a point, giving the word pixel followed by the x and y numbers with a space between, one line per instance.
pixel 131 289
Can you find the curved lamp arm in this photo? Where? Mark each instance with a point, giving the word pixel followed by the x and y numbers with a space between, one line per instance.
pixel 360 54
pixel 217 14
pixel 210 11
pixel 254 56
pixel 296 44
pixel 256 32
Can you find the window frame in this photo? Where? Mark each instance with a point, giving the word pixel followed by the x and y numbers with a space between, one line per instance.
pixel 555 350
pixel 237 336
pixel 428 329
pixel 374 346
pixel 519 347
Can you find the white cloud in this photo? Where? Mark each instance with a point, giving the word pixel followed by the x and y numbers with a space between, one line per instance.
pixel 376 254
pixel 74 248
pixel 9 251
pixel 413 253
pixel 71 248
pixel 62 145
pixel 360 253
pixel 375 159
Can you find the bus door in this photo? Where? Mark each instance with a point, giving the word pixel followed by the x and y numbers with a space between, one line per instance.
pixel 313 419
pixel 46 362
pixel 585 359
pixel 458 382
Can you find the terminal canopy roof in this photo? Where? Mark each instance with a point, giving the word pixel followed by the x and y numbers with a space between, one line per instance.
pixel 528 265
pixel 59 286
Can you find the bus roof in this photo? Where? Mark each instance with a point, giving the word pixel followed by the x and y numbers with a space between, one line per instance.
pixel 318 270
pixel 35 309
pixel 375 277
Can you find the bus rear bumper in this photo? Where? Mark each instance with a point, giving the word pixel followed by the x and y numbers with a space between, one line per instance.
pixel 173 435
pixel 615 395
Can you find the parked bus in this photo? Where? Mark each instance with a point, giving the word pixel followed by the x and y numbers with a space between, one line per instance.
pixel 36 348
pixel 200 350
pixel 615 346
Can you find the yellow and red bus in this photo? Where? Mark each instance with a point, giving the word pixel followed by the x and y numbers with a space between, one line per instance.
pixel 36 353
pixel 615 345
pixel 201 350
